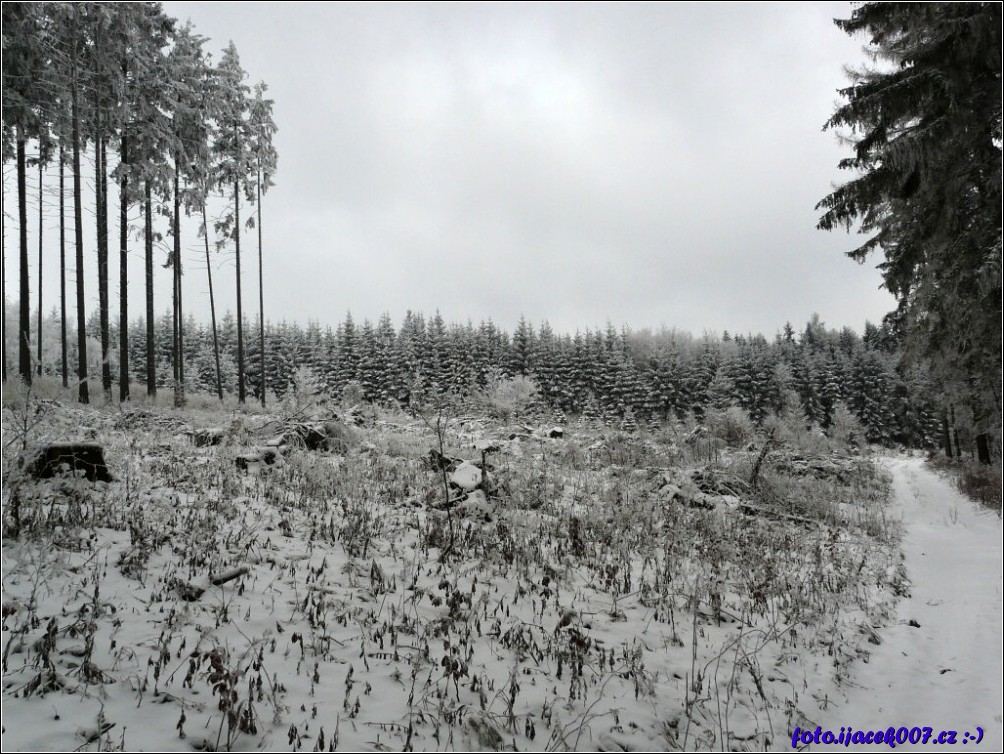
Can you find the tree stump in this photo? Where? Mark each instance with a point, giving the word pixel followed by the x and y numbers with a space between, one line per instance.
pixel 76 456
pixel 314 436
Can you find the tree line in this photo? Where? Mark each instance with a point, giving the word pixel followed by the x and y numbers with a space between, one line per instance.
pixel 621 377
pixel 134 95
pixel 133 92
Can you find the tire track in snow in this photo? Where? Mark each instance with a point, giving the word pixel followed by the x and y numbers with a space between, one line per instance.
pixel 947 672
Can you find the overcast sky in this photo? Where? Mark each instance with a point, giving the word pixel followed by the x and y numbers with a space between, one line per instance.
pixel 646 164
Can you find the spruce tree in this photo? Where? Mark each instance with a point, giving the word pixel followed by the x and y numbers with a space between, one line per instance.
pixel 926 132
pixel 232 147
pixel 25 99
pixel 261 129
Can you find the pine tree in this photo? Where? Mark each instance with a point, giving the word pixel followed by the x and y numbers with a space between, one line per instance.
pixel 144 32
pixel 348 353
pixel 564 375
pixel 189 150
pixel 521 358
pixel 25 117
pixel 284 345
pixel 435 364
pixel 107 47
pixel 721 391
pixel 68 47
pixel 668 390
pixel 395 378
pixel 262 129
pixel 252 352
pixel 411 341
pixel 927 139
pixel 460 371
pixel 232 145
pixel 700 371
pixel 370 366
pixel 64 362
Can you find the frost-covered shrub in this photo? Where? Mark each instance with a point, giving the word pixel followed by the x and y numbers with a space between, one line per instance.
pixel 791 427
pixel 306 388
pixel 846 430
pixel 509 397
pixel 732 425
pixel 341 437
pixel 353 394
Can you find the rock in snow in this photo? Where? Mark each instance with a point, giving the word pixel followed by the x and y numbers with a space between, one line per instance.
pixel 467 476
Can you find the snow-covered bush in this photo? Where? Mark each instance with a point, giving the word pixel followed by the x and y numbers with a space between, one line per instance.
pixel 732 425
pixel 846 430
pixel 508 398
pixel 306 388
pixel 353 394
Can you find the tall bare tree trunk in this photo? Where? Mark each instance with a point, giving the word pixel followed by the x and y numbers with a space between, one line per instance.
pixel 62 270
pixel 181 332
pixel 78 237
pixel 174 335
pixel 982 436
pixel 955 434
pixel 261 296
pixel 946 437
pixel 151 356
pixel 3 282
pixel 103 298
pixel 24 312
pixel 240 312
pixel 212 305
pixel 124 274
pixel 41 204
pixel 983 448
pixel 3 319
pixel 179 327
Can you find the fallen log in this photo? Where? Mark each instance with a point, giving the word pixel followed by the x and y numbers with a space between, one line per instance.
pixel 223 578
pixel 190 592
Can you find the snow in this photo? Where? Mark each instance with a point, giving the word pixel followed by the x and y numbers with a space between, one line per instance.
pixel 945 673
pixel 467 476
pixel 588 617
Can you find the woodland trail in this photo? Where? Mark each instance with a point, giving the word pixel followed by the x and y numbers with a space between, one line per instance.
pixel 945 673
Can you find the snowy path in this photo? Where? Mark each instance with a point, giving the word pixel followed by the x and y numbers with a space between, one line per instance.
pixel 947 673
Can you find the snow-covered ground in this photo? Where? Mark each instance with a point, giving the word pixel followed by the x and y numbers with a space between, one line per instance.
pixel 586 606
pixel 939 663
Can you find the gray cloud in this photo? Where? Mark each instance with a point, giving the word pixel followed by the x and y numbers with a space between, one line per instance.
pixel 647 164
